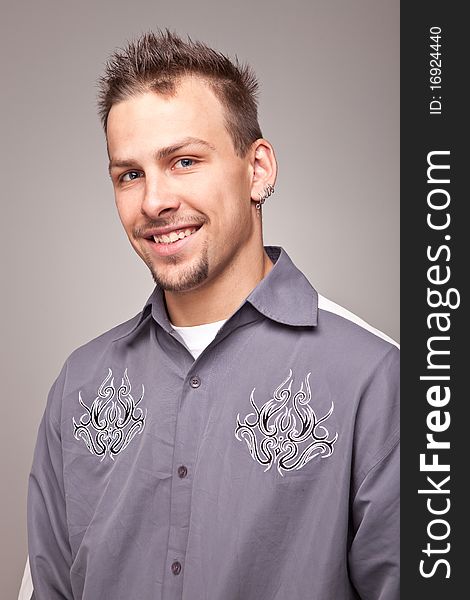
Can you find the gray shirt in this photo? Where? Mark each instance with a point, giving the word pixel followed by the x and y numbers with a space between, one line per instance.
pixel 267 469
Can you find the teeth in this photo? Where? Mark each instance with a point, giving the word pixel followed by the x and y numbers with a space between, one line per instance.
pixel 173 236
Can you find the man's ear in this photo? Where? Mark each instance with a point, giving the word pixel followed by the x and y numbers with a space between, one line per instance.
pixel 264 168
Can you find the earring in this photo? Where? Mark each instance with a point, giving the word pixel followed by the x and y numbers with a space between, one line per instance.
pixel 267 191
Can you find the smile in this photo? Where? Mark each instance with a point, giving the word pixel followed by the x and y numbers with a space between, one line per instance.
pixel 174 236
pixel 170 241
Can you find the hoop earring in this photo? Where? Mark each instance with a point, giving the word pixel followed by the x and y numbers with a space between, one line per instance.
pixel 264 195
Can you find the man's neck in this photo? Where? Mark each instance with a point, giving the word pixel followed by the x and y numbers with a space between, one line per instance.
pixel 219 298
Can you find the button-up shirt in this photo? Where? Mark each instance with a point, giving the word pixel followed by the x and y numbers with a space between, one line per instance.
pixel 266 469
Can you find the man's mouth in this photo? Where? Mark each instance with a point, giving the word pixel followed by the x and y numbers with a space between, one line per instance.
pixel 175 235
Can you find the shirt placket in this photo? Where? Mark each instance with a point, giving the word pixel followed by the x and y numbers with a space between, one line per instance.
pixel 189 424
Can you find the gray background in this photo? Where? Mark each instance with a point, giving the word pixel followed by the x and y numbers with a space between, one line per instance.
pixel 329 104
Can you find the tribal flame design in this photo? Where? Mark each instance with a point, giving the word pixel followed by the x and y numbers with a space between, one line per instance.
pixel 285 431
pixel 113 419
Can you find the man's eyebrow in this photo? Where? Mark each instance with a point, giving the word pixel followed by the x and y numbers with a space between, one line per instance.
pixel 189 141
pixel 164 152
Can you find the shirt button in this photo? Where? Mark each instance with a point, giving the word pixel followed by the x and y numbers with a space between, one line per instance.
pixel 176 567
pixel 182 472
pixel 195 382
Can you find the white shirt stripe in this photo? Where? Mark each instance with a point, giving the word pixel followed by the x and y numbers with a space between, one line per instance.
pixel 330 306
pixel 26 590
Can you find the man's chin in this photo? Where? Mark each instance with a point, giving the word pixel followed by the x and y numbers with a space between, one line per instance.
pixel 180 278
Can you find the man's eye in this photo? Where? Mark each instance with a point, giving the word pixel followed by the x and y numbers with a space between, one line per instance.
pixel 185 162
pixel 130 176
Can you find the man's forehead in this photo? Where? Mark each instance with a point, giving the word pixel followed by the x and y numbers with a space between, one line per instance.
pixel 192 115
pixel 193 103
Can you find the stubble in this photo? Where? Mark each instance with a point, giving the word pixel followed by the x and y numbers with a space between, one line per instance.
pixel 176 277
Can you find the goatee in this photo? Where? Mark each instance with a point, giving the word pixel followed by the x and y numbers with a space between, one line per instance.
pixel 180 279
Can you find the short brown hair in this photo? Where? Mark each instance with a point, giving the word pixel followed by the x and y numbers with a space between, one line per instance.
pixel 157 61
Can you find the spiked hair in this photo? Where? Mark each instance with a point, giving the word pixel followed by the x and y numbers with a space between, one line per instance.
pixel 157 61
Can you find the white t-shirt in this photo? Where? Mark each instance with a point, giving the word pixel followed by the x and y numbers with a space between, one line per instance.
pixel 198 337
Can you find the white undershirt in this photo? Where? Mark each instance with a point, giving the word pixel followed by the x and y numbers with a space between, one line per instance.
pixel 198 337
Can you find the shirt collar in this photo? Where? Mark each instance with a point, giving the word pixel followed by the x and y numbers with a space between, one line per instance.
pixel 285 295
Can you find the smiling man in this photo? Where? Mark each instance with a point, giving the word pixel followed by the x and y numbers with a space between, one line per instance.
pixel 238 438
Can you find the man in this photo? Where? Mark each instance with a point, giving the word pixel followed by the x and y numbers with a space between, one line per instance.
pixel 238 438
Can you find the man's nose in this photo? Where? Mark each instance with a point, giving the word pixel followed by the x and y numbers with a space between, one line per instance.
pixel 160 197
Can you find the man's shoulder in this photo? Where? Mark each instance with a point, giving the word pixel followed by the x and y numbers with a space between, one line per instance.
pixel 91 363
pixel 352 336
pixel 348 318
pixel 105 341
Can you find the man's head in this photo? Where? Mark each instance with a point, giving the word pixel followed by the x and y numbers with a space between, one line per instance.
pixel 187 163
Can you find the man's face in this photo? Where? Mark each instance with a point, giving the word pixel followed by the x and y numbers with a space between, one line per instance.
pixel 183 195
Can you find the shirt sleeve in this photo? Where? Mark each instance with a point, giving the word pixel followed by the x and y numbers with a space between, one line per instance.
pixel 374 552
pixel 49 550
pixel 374 548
